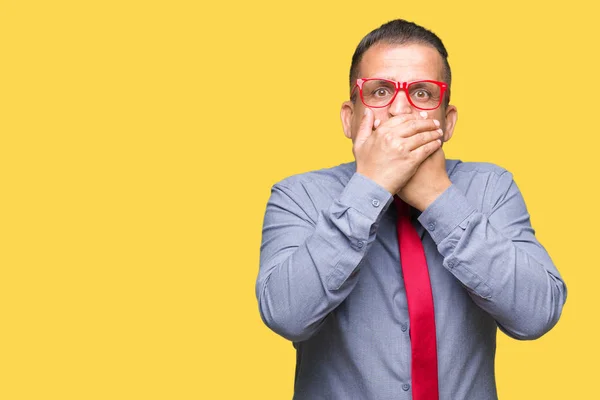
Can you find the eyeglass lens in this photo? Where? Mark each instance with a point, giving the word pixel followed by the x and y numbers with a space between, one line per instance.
pixel 379 93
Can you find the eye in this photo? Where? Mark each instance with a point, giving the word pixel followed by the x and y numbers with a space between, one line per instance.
pixel 421 94
pixel 382 92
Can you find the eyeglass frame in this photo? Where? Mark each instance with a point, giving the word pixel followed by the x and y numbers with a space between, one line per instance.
pixel 400 86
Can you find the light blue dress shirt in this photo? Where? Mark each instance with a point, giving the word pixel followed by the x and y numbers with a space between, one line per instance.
pixel 330 281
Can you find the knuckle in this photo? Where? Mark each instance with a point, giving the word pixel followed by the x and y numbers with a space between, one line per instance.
pixel 401 146
pixel 425 150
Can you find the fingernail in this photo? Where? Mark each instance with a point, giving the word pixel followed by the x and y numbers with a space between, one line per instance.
pixel 439 141
pixel 436 122
pixel 440 131
pixel 377 122
pixel 423 114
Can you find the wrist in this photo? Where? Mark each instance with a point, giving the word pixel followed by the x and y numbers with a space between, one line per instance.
pixel 431 196
pixel 377 181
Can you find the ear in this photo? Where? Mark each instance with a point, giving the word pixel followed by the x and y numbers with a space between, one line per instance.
pixel 346 113
pixel 451 118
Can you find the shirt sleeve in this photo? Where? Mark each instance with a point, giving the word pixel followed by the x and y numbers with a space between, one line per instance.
pixel 498 259
pixel 307 266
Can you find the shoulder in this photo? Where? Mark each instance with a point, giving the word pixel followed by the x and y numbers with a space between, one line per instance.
pixel 483 183
pixel 309 192
pixel 331 177
pixel 475 167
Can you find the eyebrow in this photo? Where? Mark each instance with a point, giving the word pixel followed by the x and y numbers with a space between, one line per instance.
pixel 393 79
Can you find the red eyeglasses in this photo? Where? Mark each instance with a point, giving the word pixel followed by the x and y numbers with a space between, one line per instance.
pixel 377 92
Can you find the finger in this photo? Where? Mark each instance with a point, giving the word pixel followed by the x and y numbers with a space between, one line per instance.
pixel 415 141
pixel 424 151
pixel 399 119
pixel 411 127
pixel 366 127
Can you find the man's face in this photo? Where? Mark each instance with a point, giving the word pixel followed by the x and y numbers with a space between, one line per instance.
pixel 402 63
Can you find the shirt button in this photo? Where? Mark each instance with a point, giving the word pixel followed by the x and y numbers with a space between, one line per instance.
pixel 360 244
pixel 405 387
pixel 375 202
pixel 404 327
pixel 431 226
pixel 451 263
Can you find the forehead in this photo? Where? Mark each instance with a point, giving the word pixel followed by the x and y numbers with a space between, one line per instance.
pixel 401 62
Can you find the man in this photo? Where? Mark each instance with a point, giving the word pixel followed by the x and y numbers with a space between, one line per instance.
pixel 334 275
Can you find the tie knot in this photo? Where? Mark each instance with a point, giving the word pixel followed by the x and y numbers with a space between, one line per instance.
pixel 401 206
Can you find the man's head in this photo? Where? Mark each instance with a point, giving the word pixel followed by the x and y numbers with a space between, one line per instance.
pixel 400 51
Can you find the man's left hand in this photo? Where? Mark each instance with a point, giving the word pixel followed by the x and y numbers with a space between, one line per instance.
pixel 430 180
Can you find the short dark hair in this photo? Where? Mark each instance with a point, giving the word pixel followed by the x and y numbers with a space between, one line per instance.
pixel 401 32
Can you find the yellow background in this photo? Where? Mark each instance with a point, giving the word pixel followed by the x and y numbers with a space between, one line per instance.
pixel 139 142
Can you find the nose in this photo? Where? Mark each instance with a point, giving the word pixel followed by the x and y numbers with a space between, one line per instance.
pixel 400 105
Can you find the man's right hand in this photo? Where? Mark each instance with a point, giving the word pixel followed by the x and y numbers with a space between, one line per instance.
pixel 391 154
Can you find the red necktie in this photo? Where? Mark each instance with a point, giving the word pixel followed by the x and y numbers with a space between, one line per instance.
pixel 420 307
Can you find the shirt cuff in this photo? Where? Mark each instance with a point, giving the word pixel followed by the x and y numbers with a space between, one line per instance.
pixel 366 196
pixel 445 213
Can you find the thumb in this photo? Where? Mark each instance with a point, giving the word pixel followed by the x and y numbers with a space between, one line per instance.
pixel 365 128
